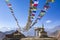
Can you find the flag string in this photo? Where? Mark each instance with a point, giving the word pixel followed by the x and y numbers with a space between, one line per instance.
pixel 43 12
pixel 12 12
pixel 32 11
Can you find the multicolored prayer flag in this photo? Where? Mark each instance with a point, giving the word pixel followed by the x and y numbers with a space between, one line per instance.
pixel 33 8
pixel 42 13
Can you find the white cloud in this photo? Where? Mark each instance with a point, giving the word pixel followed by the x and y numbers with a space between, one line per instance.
pixel 48 21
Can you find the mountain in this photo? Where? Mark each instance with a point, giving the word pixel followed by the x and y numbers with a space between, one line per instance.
pixel 55 29
pixel 9 32
pixel 55 32
pixel 2 35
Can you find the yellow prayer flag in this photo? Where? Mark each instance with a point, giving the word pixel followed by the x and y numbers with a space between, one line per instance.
pixel 50 0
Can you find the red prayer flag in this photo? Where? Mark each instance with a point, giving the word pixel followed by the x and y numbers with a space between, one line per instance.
pixel 46 6
pixel 35 5
pixel 39 17
pixel 33 14
pixel 9 4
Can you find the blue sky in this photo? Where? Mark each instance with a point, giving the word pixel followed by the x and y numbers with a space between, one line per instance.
pixel 21 7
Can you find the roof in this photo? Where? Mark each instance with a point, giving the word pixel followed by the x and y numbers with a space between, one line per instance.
pixel 14 34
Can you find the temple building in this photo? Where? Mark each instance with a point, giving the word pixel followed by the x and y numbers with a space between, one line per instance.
pixel 14 36
pixel 40 32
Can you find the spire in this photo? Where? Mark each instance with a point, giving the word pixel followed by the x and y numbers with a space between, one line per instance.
pixel 42 25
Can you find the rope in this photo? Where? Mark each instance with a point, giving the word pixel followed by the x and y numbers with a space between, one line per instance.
pixel 16 20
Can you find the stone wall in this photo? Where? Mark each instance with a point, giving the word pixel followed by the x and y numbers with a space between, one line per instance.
pixel 38 39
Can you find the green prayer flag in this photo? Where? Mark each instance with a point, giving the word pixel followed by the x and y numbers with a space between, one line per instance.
pixel 42 13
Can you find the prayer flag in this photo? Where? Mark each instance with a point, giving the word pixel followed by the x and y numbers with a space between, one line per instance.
pixel 39 17
pixel 35 0
pixel 46 7
pixel 10 8
pixel 33 8
pixel 7 0
pixel 42 10
pixel 35 5
pixel 33 14
pixel 47 3
pixel 34 11
pixel 9 5
pixel 12 11
pixel 32 17
pixel 50 0
pixel 42 14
